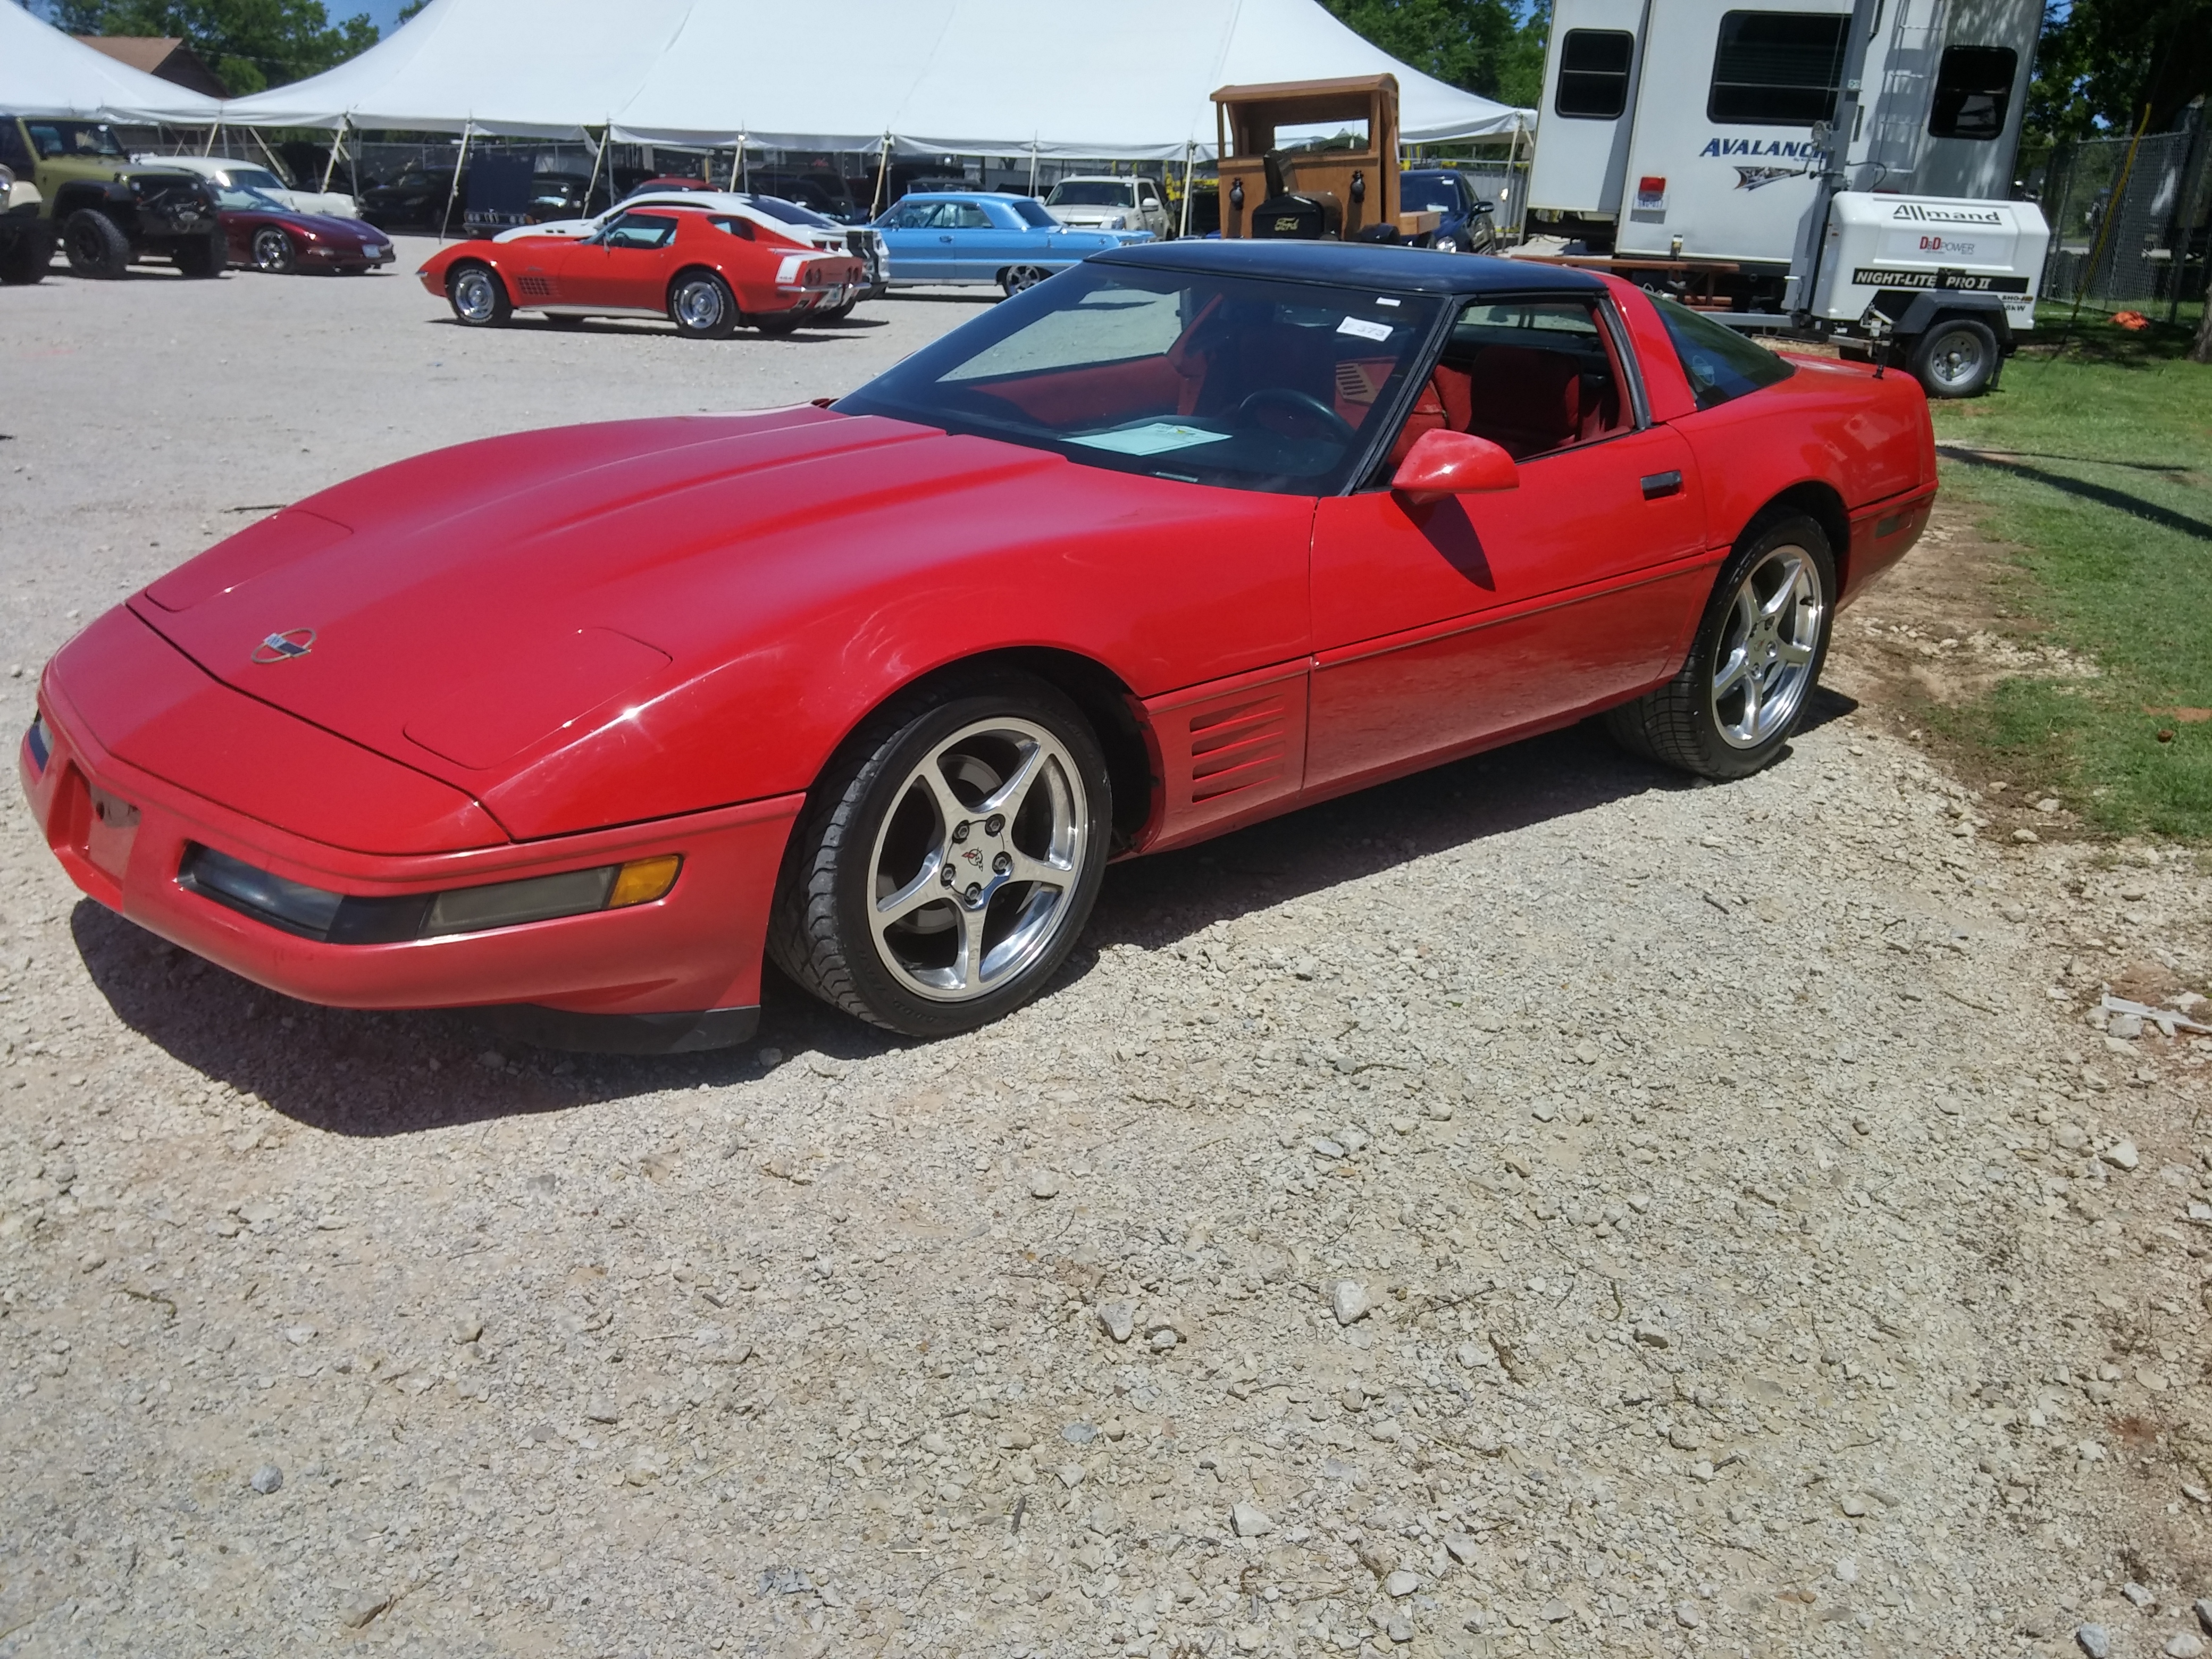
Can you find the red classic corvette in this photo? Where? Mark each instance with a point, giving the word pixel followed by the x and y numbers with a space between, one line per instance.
pixel 707 266
pixel 589 721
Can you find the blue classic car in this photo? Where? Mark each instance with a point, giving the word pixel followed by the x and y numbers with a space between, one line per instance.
pixel 983 236
pixel 1467 226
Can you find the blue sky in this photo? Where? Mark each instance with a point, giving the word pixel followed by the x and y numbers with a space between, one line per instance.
pixel 382 13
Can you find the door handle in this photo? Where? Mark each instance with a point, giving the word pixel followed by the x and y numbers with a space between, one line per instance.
pixel 1657 484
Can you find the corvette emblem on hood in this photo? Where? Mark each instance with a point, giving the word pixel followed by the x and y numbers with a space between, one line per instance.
pixel 282 648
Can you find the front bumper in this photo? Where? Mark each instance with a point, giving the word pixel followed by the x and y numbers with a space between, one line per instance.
pixel 324 253
pixel 689 964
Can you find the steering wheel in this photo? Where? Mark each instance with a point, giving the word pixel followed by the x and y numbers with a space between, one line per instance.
pixel 1302 403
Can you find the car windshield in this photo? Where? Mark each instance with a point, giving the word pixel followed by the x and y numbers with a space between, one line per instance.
pixel 251 178
pixel 1431 194
pixel 1031 212
pixel 1249 384
pixel 233 198
pixel 63 138
pixel 791 212
pixel 1091 192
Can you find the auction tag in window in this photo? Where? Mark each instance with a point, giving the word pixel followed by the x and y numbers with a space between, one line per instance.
pixel 1364 328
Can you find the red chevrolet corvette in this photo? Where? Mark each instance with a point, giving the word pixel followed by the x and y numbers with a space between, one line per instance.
pixel 707 266
pixel 588 721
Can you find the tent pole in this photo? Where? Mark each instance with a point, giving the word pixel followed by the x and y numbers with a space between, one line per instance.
pixel 214 133
pixel 1033 167
pixel 1184 229
pixel 883 176
pixel 453 194
pixel 330 167
pixel 274 165
pixel 593 183
pixel 742 174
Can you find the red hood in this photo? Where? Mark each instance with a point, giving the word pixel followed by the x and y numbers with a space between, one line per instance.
pixel 475 609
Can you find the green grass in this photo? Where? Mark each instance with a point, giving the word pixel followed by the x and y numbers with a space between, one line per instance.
pixel 2099 467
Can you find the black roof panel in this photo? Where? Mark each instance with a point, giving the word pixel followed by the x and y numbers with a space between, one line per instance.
pixel 1355 264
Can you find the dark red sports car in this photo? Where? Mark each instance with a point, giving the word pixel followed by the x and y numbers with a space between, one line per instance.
pixel 265 233
pixel 593 720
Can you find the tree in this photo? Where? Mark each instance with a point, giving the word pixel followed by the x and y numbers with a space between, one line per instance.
pixel 251 43
pixel 2102 63
pixel 1483 47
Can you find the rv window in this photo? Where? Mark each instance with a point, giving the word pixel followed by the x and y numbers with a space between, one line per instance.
pixel 1776 69
pixel 1722 364
pixel 1973 89
pixel 1594 74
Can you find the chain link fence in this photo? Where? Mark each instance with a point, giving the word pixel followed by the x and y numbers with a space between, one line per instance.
pixel 2125 234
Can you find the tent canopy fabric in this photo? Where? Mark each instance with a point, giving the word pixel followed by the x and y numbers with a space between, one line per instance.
pixel 43 72
pixel 944 77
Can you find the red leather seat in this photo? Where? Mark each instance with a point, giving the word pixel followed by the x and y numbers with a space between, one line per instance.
pixel 1444 404
pixel 1525 401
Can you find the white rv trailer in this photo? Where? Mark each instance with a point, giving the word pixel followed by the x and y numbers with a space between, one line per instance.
pixel 1691 129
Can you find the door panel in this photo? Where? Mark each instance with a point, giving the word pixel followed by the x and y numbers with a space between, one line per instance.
pixel 1436 627
pixel 627 267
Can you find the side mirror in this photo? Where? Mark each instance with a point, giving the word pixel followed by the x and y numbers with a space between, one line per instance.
pixel 1442 464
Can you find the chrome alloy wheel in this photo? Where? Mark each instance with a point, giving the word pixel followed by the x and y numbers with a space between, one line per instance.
pixel 474 296
pixel 975 862
pixel 1024 276
pixel 272 249
pixel 1763 663
pixel 699 305
pixel 1956 363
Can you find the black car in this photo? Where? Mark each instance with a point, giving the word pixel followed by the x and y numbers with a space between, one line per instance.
pixel 416 200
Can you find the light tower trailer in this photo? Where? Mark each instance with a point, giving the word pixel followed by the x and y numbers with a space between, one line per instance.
pixel 1830 171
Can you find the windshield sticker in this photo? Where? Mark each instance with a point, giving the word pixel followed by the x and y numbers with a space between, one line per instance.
pixel 1364 328
pixel 1392 303
pixel 1157 439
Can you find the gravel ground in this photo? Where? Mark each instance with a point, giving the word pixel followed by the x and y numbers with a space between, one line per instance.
pixel 1539 1206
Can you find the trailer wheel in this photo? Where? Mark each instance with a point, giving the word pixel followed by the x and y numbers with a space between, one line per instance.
pixel 1957 358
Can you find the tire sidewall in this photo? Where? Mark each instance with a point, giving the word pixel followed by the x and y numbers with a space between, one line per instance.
pixel 1721 758
pixel 883 775
pixel 722 327
pixel 284 256
pixel 1985 339
pixel 461 274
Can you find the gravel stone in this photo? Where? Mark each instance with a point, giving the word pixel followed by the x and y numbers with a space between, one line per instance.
pixel 1118 1320
pixel 1247 1522
pixel 1347 1299
pixel 265 1479
pixel 2093 1640
pixel 1401 1583
pixel 2184 1644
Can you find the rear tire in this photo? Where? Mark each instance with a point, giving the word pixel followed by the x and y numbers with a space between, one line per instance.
pixel 1957 358
pixel 1016 279
pixel 95 245
pixel 701 306
pixel 948 858
pixel 274 252
pixel 1742 693
pixel 478 297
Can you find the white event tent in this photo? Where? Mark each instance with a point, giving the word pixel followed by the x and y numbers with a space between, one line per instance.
pixel 1052 77
pixel 43 72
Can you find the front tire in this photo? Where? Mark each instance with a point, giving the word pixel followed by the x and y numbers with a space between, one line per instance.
pixel 946 863
pixel 478 297
pixel 701 306
pixel 95 245
pixel 1957 358
pixel 26 258
pixel 274 252
pixel 1737 701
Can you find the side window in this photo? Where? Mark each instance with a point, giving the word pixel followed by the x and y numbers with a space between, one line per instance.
pixel 1777 69
pixel 641 230
pixel 1594 74
pixel 1973 91
pixel 1722 364
pixel 15 154
pixel 969 216
pixel 1531 376
pixel 738 227
pixel 48 141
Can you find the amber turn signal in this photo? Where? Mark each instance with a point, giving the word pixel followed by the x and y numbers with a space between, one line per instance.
pixel 643 880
